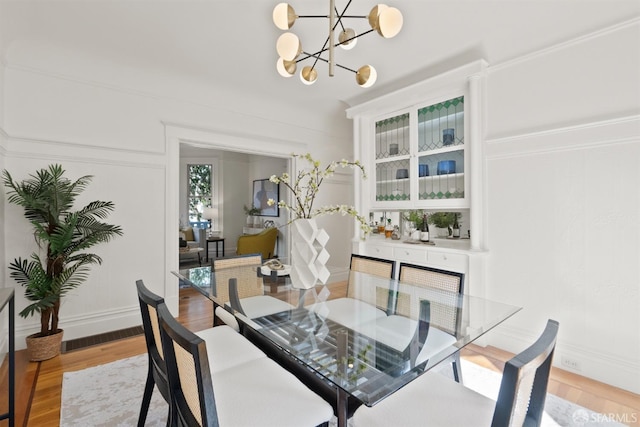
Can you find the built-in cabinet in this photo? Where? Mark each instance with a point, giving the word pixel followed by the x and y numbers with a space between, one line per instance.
pixel 420 157
pixel 422 147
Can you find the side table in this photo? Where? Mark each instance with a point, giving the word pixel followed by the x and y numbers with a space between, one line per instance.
pixel 215 240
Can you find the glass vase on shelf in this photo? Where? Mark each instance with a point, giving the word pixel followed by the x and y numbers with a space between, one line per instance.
pixel 395 234
pixel 388 230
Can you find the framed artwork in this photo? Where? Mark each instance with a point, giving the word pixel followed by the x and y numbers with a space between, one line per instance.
pixel 263 190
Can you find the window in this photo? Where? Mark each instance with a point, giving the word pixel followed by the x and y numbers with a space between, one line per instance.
pixel 200 192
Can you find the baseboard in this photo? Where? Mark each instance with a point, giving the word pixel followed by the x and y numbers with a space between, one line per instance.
pixel 606 367
pixel 337 274
pixel 87 325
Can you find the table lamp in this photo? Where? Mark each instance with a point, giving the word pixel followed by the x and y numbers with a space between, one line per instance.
pixel 210 214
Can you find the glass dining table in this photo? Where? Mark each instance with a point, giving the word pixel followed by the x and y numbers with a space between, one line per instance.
pixel 353 343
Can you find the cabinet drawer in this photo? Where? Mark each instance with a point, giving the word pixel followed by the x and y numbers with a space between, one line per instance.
pixel 412 255
pixel 379 251
pixel 448 261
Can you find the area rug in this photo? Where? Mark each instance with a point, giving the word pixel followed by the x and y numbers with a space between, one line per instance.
pixel 111 394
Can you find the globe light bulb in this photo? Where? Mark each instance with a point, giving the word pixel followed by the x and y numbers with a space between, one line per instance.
pixel 286 68
pixel 366 76
pixel 389 22
pixel 288 46
pixel 308 75
pixel 284 16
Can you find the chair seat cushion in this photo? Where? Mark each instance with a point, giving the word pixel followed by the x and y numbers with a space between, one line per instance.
pixel 262 305
pixel 262 393
pixel 397 332
pixel 256 306
pixel 227 318
pixel 226 348
pixel 429 400
pixel 348 312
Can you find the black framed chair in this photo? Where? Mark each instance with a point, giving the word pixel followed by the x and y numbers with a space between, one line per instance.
pixel 190 385
pixel 445 316
pixel 240 285
pixel 258 392
pixel 157 373
pixel 363 303
pixel 433 399
pixel 376 266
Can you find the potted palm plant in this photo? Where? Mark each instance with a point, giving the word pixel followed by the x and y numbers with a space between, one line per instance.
pixel 62 235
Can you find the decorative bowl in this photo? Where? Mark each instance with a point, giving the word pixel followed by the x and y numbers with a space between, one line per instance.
pixel 402 173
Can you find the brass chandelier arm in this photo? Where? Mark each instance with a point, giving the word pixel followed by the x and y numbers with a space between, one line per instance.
pixel 337 14
pixel 354 37
pixel 329 37
pixel 316 55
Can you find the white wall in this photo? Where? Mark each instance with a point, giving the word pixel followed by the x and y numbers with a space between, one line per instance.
pixel 563 202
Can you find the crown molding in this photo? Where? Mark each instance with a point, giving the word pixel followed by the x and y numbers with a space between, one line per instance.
pixel 563 45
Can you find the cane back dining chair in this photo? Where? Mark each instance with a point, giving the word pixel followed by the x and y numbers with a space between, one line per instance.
pixel 376 267
pixel 157 373
pixel 257 392
pixel 446 316
pixel 248 291
pixel 433 399
pixel 362 302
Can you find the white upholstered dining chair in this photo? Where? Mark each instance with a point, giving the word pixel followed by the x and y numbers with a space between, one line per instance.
pixel 257 392
pixel 446 316
pixel 247 295
pixel 435 400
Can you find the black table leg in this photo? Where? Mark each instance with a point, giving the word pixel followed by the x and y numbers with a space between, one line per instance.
pixel 342 340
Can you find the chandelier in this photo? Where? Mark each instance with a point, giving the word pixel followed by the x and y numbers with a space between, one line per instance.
pixel 385 20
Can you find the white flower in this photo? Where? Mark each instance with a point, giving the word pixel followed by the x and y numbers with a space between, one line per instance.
pixel 306 186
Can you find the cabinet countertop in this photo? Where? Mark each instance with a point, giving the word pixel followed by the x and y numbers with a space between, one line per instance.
pixel 448 245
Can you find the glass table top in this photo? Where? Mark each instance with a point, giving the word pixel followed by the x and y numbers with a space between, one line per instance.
pixel 369 336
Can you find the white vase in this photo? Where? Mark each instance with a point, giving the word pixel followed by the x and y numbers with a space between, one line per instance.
pixel 308 254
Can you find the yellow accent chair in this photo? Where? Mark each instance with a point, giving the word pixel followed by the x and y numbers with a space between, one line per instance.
pixel 263 243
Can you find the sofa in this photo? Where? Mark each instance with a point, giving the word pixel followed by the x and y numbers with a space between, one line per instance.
pixel 192 243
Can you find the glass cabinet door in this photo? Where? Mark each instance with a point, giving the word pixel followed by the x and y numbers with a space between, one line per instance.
pixel 441 151
pixel 393 159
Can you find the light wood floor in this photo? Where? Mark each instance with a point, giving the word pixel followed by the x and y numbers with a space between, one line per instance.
pixel 39 385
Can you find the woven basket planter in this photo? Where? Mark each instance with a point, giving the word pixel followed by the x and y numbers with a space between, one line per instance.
pixel 44 348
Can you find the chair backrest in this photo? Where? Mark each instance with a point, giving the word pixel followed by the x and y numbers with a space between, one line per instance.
pixel 374 266
pixel 188 371
pixel 149 303
pixel 419 275
pixel 445 315
pixel 524 382
pixel 242 268
pixel 263 243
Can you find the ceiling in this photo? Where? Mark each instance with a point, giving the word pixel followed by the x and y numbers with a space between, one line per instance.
pixel 232 42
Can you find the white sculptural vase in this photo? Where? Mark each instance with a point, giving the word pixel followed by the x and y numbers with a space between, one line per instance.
pixel 308 254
